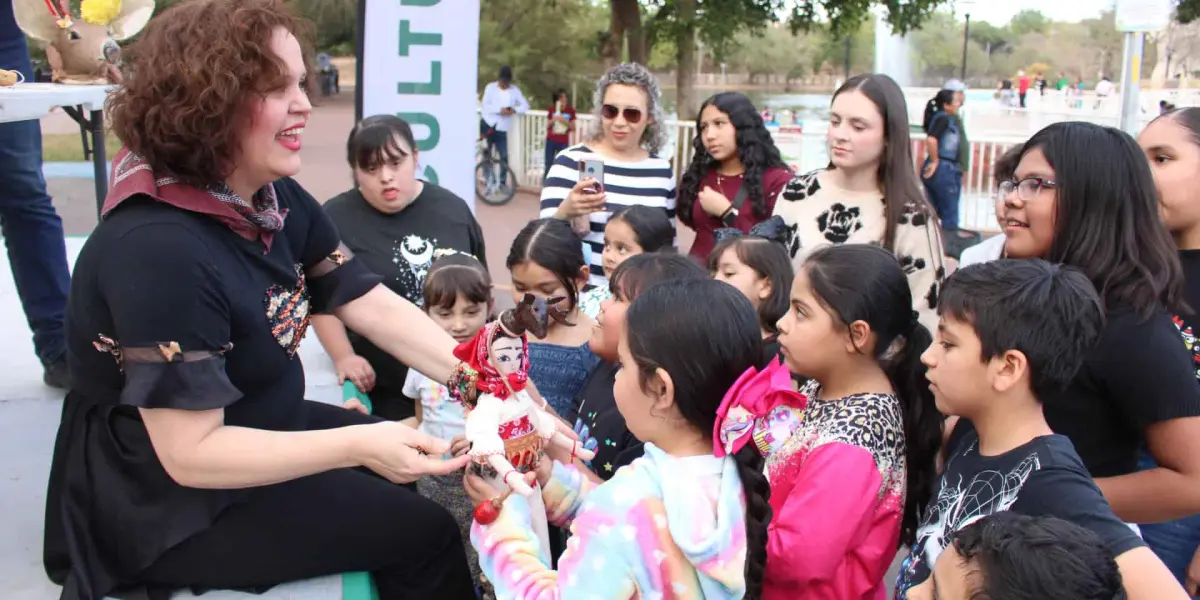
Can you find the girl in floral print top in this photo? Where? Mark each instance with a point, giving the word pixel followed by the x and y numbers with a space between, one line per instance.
pixel 685 521
pixel 847 483
pixel 870 193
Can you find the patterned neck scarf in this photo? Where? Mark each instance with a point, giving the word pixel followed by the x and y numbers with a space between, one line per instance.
pixel 258 219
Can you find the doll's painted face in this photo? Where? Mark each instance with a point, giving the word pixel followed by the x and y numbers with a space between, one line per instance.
pixel 507 354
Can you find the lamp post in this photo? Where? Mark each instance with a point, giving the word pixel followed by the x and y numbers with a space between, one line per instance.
pixel 965 5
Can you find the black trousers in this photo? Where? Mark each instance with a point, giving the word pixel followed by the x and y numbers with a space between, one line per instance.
pixel 333 522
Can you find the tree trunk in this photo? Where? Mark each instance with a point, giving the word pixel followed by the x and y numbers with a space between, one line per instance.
pixel 629 13
pixel 1162 46
pixel 685 48
pixel 611 50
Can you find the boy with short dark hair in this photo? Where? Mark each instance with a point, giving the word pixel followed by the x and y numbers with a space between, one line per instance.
pixel 1012 332
pixel 1007 556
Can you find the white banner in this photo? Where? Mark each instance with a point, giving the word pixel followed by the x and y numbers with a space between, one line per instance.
pixel 1143 16
pixel 419 61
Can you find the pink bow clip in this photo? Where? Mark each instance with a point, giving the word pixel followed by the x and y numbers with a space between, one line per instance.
pixel 747 409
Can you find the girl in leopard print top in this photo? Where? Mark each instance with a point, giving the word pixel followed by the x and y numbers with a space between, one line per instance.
pixel 870 193
pixel 851 466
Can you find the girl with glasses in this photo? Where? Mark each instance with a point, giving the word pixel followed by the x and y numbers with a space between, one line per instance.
pixel 628 105
pixel 1097 210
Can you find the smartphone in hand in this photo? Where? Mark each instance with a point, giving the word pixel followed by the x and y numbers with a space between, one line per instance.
pixel 592 168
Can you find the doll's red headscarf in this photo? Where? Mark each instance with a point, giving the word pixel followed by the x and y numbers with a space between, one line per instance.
pixel 477 353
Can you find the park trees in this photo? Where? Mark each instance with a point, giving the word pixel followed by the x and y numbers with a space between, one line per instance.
pixel 718 23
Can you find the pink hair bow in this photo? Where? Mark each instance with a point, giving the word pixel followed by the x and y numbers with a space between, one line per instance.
pixel 761 406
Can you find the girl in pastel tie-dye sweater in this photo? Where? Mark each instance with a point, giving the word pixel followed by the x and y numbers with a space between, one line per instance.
pixel 686 521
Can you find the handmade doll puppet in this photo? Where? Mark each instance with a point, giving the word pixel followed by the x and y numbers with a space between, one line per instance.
pixel 84 50
pixel 507 429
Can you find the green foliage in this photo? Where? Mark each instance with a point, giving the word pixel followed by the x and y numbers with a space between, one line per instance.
pixel 1028 21
pixel 990 38
pixel 1029 42
pixel 844 16
pixel 550 44
pixel 334 23
pixel 1187 11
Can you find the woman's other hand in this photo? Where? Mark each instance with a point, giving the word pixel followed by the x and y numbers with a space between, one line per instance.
pixel 583 199
pixel 357 370
pixel 402 454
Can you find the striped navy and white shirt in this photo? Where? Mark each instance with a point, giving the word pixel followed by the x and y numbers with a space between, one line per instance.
pixel 648 182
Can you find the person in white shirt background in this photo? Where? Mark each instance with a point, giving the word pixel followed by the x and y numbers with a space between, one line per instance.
pixel 501 100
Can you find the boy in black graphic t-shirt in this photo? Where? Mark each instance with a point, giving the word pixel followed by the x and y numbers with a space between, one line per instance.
pixel 1010 333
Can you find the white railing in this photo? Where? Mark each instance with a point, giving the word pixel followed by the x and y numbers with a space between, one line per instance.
pixel 804 150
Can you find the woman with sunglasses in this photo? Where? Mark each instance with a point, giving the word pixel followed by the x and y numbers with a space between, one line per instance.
pixel 1098 211
pixel 631 134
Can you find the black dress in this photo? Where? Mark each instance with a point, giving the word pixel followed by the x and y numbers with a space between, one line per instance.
pixel 171 309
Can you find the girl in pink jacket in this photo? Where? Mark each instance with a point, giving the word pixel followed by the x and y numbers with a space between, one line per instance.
pixel 850 464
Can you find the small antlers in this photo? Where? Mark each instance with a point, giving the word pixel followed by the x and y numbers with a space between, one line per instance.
pixel 533 315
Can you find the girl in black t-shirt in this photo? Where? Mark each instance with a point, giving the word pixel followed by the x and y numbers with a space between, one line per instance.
pixel 1172 144
pixel 396 224
pixel 598 423
pixel 1098 211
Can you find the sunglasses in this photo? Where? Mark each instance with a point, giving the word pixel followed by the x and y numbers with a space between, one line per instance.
pixel 610 112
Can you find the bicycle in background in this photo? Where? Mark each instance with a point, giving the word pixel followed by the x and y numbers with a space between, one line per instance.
pixel 495 180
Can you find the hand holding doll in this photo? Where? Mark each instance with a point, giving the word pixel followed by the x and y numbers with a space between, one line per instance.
pixel 507 430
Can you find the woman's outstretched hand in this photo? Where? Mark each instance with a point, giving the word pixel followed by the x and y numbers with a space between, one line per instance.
pixel 402 454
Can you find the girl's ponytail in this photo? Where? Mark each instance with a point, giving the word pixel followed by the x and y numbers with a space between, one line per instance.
pixel 758 515
pixel 922 425
pixel 935 105
pixel 930 110
pixel 863 282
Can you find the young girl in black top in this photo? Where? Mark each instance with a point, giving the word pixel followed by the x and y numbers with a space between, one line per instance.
pixel 598 423
pixel 1098 211
pixel 1172 144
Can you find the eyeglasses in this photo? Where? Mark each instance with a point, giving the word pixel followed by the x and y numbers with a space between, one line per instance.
pixel 610 112
pixel 1027 189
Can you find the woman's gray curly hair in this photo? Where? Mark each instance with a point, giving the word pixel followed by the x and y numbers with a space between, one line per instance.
pixel 655 135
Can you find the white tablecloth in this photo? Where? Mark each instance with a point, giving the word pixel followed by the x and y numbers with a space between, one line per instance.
pixel 28 101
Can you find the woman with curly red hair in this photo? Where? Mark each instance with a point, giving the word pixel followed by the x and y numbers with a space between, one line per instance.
pixel 186 455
